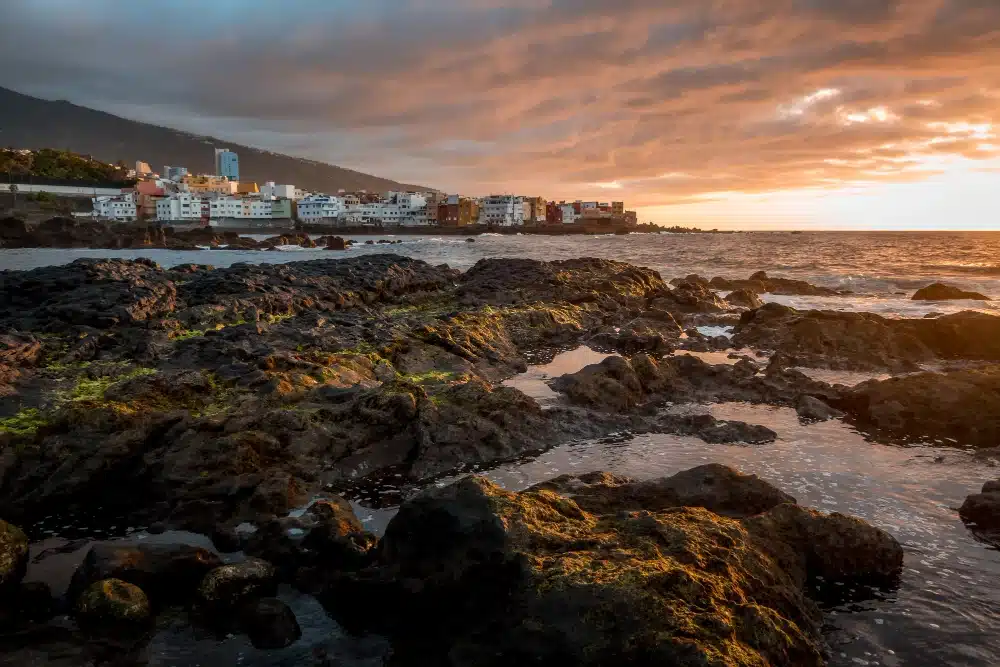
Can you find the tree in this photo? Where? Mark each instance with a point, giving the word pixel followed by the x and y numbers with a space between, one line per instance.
pixel 13 191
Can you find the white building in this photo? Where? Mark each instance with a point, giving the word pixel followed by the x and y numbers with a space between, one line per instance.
pixel 174 173
pixel 272 191
pixel 569 215
pixel 241 208
pixel 184 206
pixel 321 209
pixel 407 200
pixel 121 208
pixel 503 210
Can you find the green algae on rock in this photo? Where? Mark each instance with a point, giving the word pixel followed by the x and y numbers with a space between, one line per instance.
pixel 490 577
pixel 111 606
pixel 13 556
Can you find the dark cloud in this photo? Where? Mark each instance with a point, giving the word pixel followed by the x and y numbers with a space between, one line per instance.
pixel 668 100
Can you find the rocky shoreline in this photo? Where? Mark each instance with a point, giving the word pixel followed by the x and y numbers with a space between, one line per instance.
pixel 62 232
pixel 224 401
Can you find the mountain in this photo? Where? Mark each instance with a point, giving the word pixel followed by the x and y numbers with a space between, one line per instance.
pixel 30 122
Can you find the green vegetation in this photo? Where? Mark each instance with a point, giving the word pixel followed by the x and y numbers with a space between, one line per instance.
pixel 24 423
pixel 433 377
pixel 187 334
pixel 48 163
pixel 93 389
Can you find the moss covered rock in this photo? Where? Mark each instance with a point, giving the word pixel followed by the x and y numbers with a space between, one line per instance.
pixel 112 605
pixel 227 587
pixel 490 577
pixel 13 556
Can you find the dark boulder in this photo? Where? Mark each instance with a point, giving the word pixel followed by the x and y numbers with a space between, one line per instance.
pixel 226 588
pixel 981 512
pixel 498 578
pixel 167 573
pixel 810 408
pixel 942 292
pixel 744 298
pixel 831 339
pixel 270 624
pixel 112 606
pixel 963 406
pixel 610 385
pixel 13 558
pixel 833 546
pixel 689 296
pixel 336 243
pixel 761 283
pixel 715 487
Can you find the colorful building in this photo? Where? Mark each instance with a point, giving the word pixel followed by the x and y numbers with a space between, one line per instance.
pixel 456 211
pixel 227 164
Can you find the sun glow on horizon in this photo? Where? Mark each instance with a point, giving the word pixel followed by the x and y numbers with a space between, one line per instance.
pixel 959 194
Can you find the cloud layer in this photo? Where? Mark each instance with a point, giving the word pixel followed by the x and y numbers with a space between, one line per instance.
pixel 655 101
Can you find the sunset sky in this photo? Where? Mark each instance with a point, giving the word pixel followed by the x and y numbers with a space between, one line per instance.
pixel 720 113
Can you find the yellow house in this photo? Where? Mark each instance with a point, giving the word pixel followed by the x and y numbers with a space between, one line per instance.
pixel 204 183
pixel 247 188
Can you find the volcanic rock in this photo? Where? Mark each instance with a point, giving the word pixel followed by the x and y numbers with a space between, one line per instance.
pixel 810 408
pixel 715 487
pixel 962 406
pixel 761 283
pixel 168 573
pixel 942 292
pixel 270 624
pixel 113 606
pixel 831 339
pixel 981 512
pixel 744 298
pixel 226 588
pixel 13 557
pixel 499 578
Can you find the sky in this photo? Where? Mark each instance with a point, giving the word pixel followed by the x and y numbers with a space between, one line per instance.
pixel 856 114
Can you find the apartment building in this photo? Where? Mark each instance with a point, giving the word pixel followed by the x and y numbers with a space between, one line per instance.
pixel 458 211
pixel 321 209
pixel 174 173
pixel 121 208
pixel 537 210
pixel 205 184
pixel 227 164
pixel 271 190
pixel 239 208
pixel 184 206
pixel 502 211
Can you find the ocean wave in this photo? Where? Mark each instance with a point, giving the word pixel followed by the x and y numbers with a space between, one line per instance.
pixel 490 234
pixel 972 269
pixel 295 248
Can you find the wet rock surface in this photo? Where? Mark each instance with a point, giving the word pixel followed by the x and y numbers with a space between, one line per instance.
pixel 981 512
pixel 761 283
pixel 270 624
pixel 13 557
pixel 501 578
pixel 942 292
pixel 223 400
pixel 113 606
pixel 963 406
pixel 167 573
pixel 864 341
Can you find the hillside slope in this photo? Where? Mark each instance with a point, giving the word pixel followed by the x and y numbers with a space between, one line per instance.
pixel 30 122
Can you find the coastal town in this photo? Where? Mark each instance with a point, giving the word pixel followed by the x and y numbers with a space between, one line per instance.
pixel 179 198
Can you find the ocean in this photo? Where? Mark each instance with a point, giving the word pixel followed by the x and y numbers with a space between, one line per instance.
pixel 946 610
